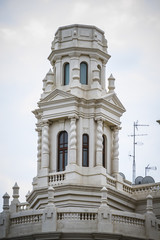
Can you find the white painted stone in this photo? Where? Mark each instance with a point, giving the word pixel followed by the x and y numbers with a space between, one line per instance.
pixel 94 202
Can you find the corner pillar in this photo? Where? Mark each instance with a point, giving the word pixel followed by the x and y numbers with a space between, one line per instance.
pixel 99 143
pixel 49 218
pixel 115 152
pixel 39 149
pixel 45 147
pixel 75 70
pixel 73 140
pixel 104 214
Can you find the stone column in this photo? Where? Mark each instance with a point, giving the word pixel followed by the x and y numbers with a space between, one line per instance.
pixel 115 152
pixel 103 77
pixel 75 70
pixel 99 142
pixel 45 145
pixel 95 73
pixel 73 141
pixel 58 76
pixel 39 148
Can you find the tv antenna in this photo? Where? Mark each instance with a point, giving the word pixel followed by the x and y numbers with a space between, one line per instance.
pixel 134 135
pixel 149 168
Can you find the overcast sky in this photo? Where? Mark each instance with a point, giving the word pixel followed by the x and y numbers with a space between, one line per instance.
pixel 27 28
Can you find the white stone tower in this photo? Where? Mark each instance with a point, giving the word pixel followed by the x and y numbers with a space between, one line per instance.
pixel 78 192
pixel 77 118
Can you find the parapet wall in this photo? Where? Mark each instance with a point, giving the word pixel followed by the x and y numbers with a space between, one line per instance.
pixel 20 221
pixel 101 220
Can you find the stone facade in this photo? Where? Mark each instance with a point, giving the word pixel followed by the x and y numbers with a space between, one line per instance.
pixel 78 192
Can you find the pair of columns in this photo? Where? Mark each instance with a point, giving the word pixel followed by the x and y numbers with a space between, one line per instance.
pixel 115 147
pixel 43 145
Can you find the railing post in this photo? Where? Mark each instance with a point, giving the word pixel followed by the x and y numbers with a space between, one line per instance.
pixel 104 214
pixel 49 218
pixel 151 223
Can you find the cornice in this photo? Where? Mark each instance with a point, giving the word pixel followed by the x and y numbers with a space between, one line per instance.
pixel 55 54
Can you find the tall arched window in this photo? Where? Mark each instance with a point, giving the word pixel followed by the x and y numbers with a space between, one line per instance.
pixel 104 151
pixel 66 73
pixel 62 150
pixel 83 73
pixel 85 150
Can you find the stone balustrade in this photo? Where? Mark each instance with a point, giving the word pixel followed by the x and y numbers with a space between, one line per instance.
pixel 141 188
pixel 111 181
pixel 26 219
pixel 56 178
pixel 137 221
pixel 83 220
pixel 23 206
pixel 127 188
pixel 77 216
pixel 151 187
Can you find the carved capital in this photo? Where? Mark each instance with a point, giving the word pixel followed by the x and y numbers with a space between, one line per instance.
pixel 73 116
pixel 115 128
pixel 99 119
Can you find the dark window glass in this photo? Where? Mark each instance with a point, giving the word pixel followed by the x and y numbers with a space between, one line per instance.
pixel 85 150
pixel 104 152
pixel 62 150
pixel 83 73
pixel 99 67
pixel 66 74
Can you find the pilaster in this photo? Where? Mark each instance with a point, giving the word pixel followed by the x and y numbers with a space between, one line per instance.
pixel 58 76
pixel 45 149
pixel 73 140
pixel 115 151
pixel 99 142
pixel 75 70
pixel 39 148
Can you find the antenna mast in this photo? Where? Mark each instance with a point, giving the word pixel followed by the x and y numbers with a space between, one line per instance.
pixel 135 126
pixel 149 168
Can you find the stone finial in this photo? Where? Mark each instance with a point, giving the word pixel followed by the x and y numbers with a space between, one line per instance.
pixel 51 191
pixel 49 77
pixel 50 81
pixel 15 191
pixel 149 207
pixel 27 194
pixel 111 85
pixel 104 196
pixel 6 201
pixel 44 83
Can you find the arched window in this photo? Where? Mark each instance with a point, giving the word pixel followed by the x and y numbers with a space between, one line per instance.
pixel 66 73
pixel 85 150
pixel 104 152
pixel 83 73
pixel 62 150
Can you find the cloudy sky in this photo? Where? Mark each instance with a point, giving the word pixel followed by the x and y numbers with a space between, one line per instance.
pixel 132 28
